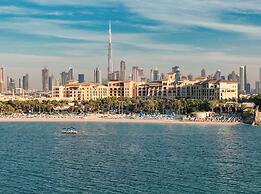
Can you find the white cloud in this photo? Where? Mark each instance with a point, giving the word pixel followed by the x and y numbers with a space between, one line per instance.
pixel 188 13
pixel 74 2
pixel 14 10
pixel 198 13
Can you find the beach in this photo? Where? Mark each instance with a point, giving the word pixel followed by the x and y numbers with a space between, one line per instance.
pixel 94 118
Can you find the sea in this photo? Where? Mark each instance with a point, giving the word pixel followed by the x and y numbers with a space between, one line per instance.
pixel 129 158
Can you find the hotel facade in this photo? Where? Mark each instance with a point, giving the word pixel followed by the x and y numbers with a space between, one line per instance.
pixel 76 91
pixel 199 88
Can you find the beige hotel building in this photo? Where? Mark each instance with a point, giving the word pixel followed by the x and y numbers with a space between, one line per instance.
pixel 199 88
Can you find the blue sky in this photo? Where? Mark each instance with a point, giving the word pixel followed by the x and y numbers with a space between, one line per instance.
pixel 214 34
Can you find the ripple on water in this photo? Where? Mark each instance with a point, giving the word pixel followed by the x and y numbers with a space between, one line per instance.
pixel 129 158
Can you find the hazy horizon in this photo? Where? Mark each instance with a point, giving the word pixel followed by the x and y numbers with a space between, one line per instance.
pixel 192 34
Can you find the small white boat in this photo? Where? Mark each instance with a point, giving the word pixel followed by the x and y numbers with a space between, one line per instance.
pixel 70 130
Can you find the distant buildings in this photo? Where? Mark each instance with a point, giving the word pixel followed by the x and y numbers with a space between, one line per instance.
pixel 190 77
pixel 177 85
pixel 162 76
pixel 217 75
pixel 19 83
pixel 242 79
pixel 258 83
pixel 97 76
pixel 64 78
pixel 67 76
pixel 248 88
pixel 155 75
pixel 2 80
pixel 26 82
pixel 51 82
pixel 81 78
pixel 137 74
pixel 176 70
pixel 233 76
pixel 70 74
pixel 203 73
pixel 122 70
pixel 260 78
pixel 10 84
pixel 257 87
pixel 45 80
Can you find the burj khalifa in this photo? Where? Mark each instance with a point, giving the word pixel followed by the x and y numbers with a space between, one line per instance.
pixel 110 63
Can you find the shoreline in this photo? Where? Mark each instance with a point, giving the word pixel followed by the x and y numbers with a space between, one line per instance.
pixel 110 120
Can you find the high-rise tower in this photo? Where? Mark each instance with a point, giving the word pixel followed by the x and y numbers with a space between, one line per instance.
pixel 122 70
pixel 110 63
pixel 45 80
pixel 26 82
pixel 203 73
pixel 242 81
pixel 97 76
pixel 2 80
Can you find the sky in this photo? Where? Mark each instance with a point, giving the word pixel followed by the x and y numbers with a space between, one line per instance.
pixel 193 34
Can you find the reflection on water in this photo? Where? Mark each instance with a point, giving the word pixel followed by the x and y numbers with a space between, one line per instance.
pixel 129 158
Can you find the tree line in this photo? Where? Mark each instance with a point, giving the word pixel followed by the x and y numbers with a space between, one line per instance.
pixel 124 105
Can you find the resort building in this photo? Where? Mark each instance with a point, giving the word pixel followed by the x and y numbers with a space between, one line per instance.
pixel 209 89
pixel 74 90
pixel 199 88
pixel 122 89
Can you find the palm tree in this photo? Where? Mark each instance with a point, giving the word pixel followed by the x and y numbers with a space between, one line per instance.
pixel 213 105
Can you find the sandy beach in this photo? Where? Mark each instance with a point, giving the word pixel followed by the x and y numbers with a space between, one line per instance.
pixel 113 120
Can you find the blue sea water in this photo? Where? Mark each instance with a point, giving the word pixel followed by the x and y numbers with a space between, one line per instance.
pixel 129 158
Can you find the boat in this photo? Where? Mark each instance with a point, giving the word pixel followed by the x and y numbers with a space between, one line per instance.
pixel 70 130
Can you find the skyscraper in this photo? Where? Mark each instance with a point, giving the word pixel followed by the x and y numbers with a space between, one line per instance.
pixel 97 76
pixel 232 76
pixel 248 88
pixel 26 82
pixel 45 80
pixel 2 80
pixel 10 84
pixel 176 70
pixel 137 74
pixel 67 76
pixel 242 79
pixel 156 74
pixel 64 78
pixel 190 77
pixel 141 76
pixel 122 70
pixel 81 78
pixel 260 76
pixel 70 74
pixel 162 76
pixel 110 63
pixel 116 75
pixel 217 75
pixel 19 83
pixel 51 82
pixel 203 73
pixel 257 86
pixel 246 81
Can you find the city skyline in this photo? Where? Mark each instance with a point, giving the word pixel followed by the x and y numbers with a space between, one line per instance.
pixel 38 33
